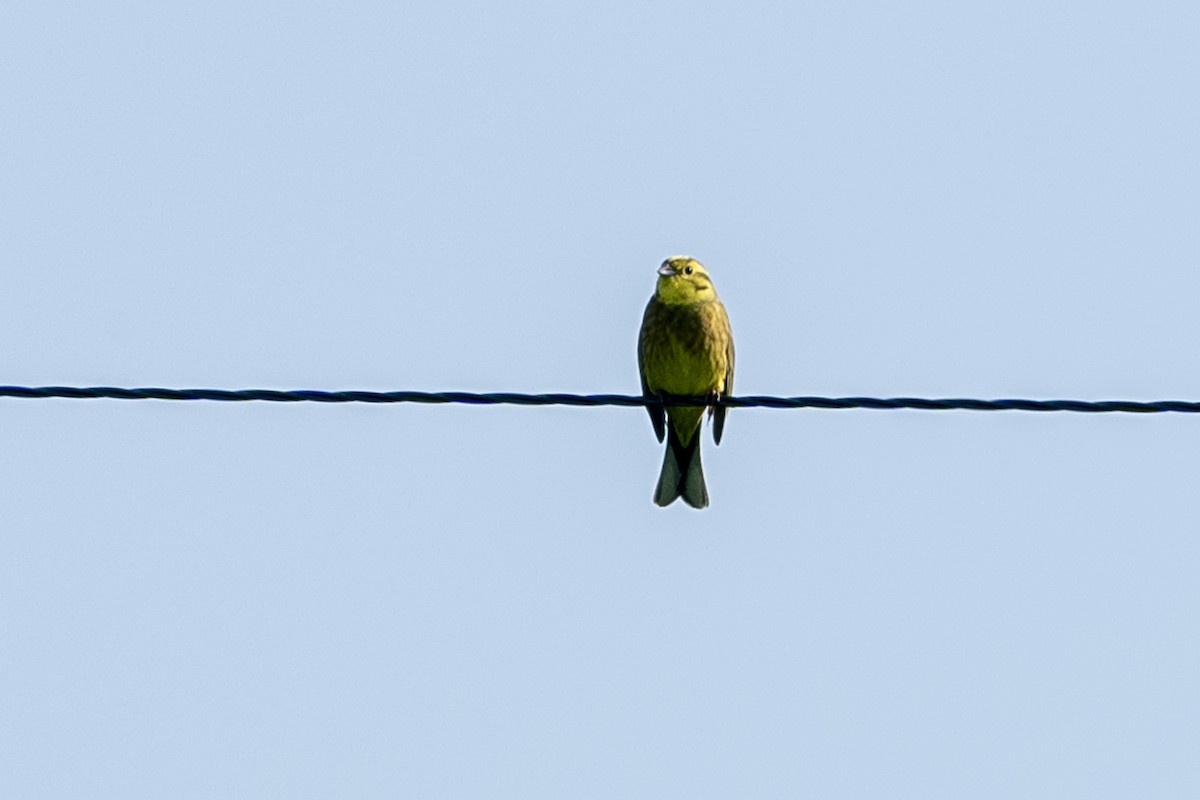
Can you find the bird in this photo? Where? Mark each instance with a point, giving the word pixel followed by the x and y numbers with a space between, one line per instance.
pixel 685 348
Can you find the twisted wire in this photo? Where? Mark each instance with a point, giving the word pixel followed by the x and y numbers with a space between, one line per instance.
pixel 560 399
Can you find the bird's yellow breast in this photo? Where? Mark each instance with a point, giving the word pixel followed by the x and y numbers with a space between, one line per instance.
pixel 684 348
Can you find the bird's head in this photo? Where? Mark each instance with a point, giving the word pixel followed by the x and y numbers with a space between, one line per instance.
pixel 683 280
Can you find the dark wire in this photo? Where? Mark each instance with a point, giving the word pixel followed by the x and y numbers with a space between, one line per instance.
pixel 513 398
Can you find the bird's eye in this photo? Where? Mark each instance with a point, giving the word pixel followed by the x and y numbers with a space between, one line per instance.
pixel 687 270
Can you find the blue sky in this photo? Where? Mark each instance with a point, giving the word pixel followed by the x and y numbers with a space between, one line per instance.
pixel 208 600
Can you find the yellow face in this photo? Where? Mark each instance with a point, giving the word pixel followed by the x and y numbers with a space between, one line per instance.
pixel 683 280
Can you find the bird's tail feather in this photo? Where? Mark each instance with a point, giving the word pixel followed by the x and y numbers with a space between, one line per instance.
pixel 682 475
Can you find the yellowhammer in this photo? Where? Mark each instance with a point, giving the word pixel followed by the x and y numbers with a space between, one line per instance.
pixel 685 349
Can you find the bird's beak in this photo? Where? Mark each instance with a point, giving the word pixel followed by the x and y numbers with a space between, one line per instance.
pixel 667 269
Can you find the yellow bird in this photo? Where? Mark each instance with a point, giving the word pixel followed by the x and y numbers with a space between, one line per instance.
pixel 685 349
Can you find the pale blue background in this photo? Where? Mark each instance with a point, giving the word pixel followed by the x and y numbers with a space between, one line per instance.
pixel 212 601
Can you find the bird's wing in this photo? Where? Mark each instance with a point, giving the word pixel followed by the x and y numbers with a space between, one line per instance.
pixel 719 411
pixel 658 414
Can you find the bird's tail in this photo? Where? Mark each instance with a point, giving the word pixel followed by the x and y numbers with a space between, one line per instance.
pixel 682 475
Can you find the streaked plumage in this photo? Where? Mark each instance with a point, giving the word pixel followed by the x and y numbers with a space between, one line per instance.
pixel 685 349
